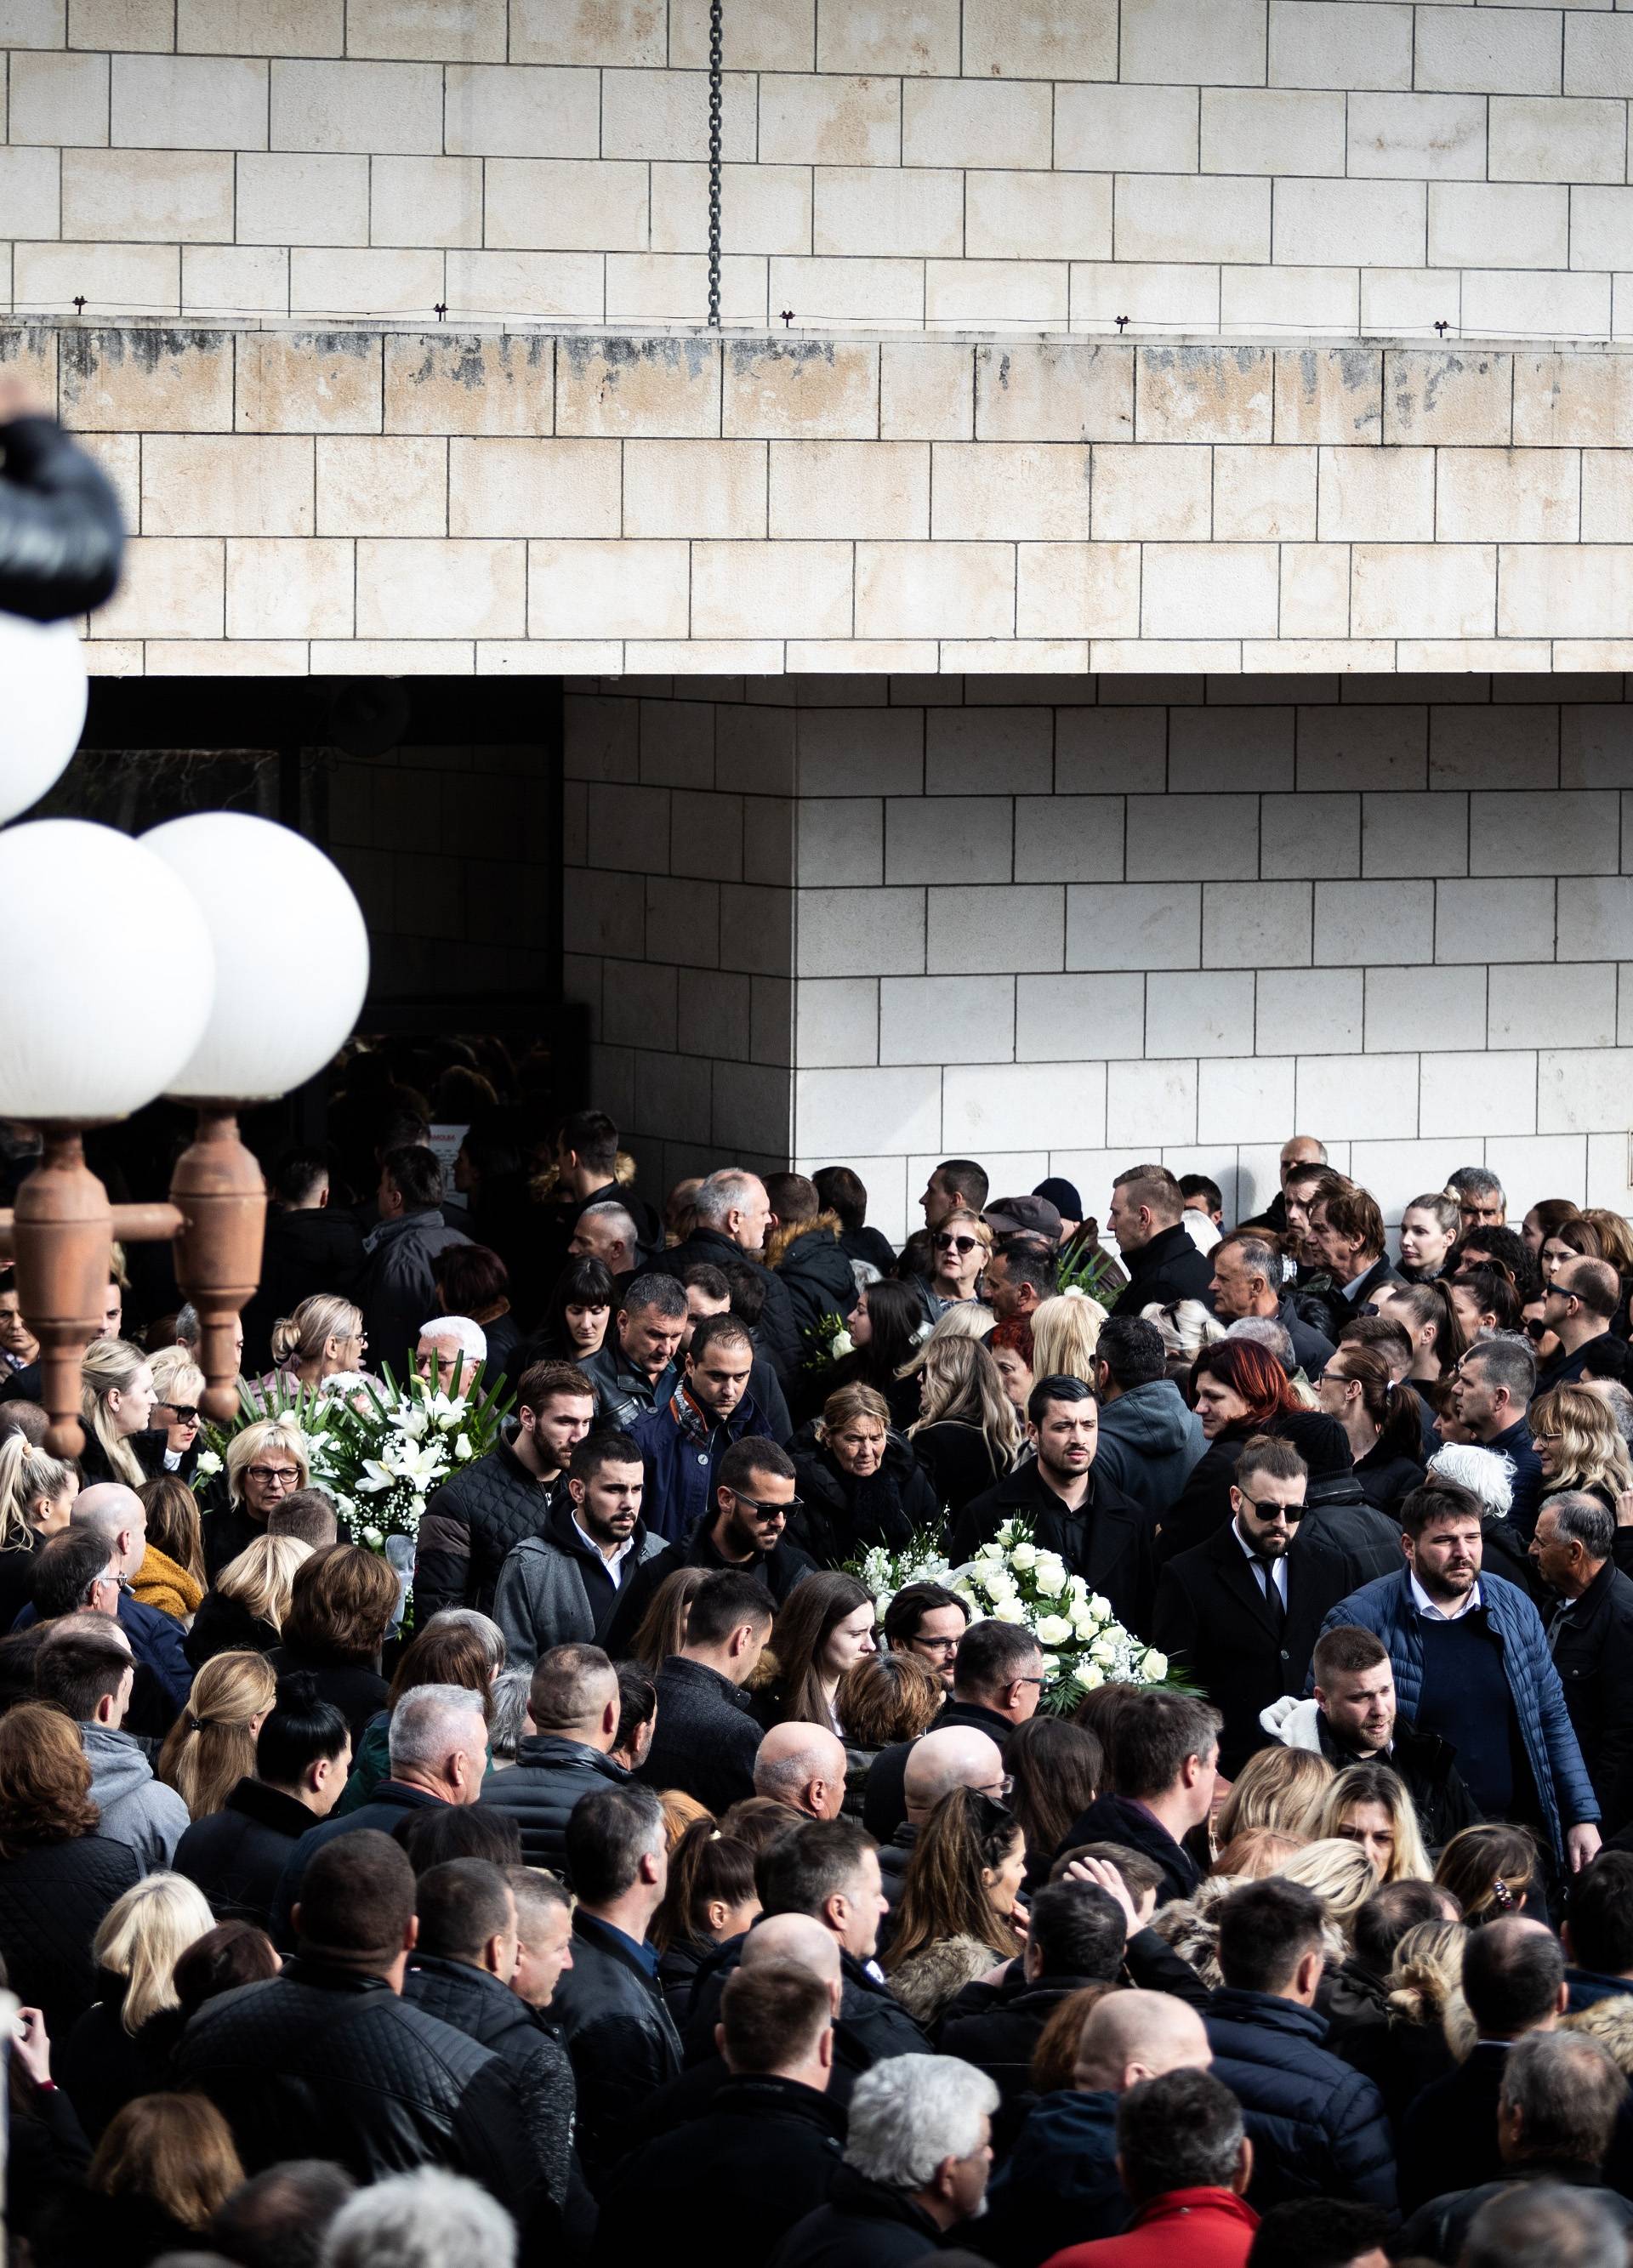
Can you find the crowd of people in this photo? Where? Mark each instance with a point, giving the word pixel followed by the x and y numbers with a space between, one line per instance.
pixel 654 1865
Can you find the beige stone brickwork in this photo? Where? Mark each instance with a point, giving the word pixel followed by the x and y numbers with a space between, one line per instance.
pixel 501 502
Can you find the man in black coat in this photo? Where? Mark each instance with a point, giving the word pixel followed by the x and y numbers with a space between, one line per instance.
pixel 1514 1982
pixel 755 1491
pixel 572 1707
pixel 307 1250
pixel 1247 1281
pixel 1491 1391
pixel 1590 1635
pixel 464 1961
pixel 474 1520
pixel 769 2141
pixel 1242 1612
pixel 1346 1230
pixel 706 1738
pixel 1354 1718
pixel 733 1213
pixel 1075 1935
pixel 327 2060
pixel 608 2004
pixel 997 1679
pixel 1164 1264
pixel 1164 1768
pixel 1099 1532
pixel 237 1855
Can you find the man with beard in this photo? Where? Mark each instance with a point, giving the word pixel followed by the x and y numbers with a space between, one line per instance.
pixel 563 1587
pixel 1072 1510
pixel 754 1494
pixel 1241 1611
pixel 1471 1664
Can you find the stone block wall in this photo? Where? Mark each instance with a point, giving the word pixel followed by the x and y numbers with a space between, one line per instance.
pixel 1243 167
pixel 1055 924
pixel 492 503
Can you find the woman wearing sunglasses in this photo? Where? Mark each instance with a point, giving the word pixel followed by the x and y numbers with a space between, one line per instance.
pixel 960 1250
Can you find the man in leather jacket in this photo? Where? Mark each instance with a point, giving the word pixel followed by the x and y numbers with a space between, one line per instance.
pixel 327 2060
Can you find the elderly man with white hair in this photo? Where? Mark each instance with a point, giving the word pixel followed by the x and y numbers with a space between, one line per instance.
pixel 803 1766
pixel 451 1351
pixel 917 2155
pixel 439 1753
pixel 732 1211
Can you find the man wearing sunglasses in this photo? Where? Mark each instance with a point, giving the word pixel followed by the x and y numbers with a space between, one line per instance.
pixel 754 1499
pixel 1242 1612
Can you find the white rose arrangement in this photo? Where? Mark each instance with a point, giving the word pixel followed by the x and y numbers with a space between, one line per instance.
pixel 1084 1645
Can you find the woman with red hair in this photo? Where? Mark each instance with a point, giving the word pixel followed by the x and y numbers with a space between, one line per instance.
pixel 1238 1389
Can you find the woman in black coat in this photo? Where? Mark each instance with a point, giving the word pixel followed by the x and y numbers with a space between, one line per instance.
pixel 236 1855
pixel 1385 1423
pixel 860 1483
pixel 58 1876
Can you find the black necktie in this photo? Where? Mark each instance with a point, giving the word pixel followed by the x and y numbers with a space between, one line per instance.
pixel 1273 1594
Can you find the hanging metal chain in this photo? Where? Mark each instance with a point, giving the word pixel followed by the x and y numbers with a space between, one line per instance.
pixel 715 164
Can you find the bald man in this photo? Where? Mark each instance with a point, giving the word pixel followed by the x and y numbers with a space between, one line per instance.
pixel 1059 2185
pixel 803 1766
pixel 1301 1150
pixel 958 1756
pixel 114 1513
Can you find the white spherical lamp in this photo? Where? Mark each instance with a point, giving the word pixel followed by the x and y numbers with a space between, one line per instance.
pixel 90 1033
pixel 290 954
pixel 43 693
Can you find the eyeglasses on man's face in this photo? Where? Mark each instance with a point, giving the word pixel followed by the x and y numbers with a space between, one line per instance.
pixel 767 1511
pixel 1292 1513
pixel 946 1647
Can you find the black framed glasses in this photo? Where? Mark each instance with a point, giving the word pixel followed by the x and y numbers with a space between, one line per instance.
pixel 266 1476
pixel 947 1647
pixel 1292 1513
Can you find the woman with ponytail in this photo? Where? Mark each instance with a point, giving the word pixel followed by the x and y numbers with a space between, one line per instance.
pixel 711 1899
pixel 116 1400
pixel 1385 1424
pixel 211 1746
pixel 37 1495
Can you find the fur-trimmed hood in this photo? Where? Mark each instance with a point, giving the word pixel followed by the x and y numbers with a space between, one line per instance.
pixel 826 1226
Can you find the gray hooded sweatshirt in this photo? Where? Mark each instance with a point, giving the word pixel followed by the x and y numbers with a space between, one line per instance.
pixel 136 1810
pixel 1148 1443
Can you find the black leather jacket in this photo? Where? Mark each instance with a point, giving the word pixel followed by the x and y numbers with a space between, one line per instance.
pixel 620 2035
pixel 321 2062
pixel 61 534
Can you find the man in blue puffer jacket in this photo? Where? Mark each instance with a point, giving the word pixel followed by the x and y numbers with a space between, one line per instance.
pixel 1472 1665
pixel 682 1440
pixel 1318 2127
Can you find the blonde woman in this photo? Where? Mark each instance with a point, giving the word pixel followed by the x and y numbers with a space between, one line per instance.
pixel 1368 1805
pixel 37 1495
pixel 972 1321
pixel 1341 1874
pixel 245 1606
pixel 211 1746
pixel 117 1404
pixel 266 1462
pixel 966 1435
pixel 324 1336
pixel 1066 1330
pixel 1580 1445
pixel 120 2047
pixel 178 1386
pixel 960 1248
pixel 1282 1789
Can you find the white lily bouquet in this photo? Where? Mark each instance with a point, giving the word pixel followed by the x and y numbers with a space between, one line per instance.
pixel 1011 1580
pixel 378 1449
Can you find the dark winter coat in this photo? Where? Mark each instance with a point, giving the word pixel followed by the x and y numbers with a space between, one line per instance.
pixel 470 2000
pixel 1212 1617
pixel 997 2028
pixel 1114 1819
pixel 471 1522
pixel 1516 1443
pixel 779 1569
pixel 1317 2126
pixel 680 1468
pixel 778 1329
pixel 549 1779
pixel 1312 1348
pixel 356 1688
pixel 622 2040
pixel 706 1738
pixel 1167 1269
pixel 555 1589
pixel 321 2062
pixel 103 2066
pixel 623 1394
pixel 862 2226
pixel 53 1900
pixel 1384 1479
pixel 873 2024
pixel 1592 1647
pixel 237 1855
pixel 960 1462
pixel 769 2145
pixel 307 1250
pixel 1203 1505
pixel 816 1268
pixel 1451 2129
pixel 226 1626
pixel 1106 1540
pixel 1439 2229
pixel 1149 1444
pixel 155 1640
pixel 884 1801
pixel 399 1288
pixel 840 1517
pixel 390 1802
pixel 1563 1788
pixel 1060 2184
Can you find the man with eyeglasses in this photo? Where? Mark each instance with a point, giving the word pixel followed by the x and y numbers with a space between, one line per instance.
pixel 754 1499
pixel 1241 1611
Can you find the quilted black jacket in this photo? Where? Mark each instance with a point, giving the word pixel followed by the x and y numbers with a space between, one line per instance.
pixel 489 2012
pixel 469 1525
pixel 550 1777
pixel 52 1902
pixel 321 2062
pixel 236 1854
